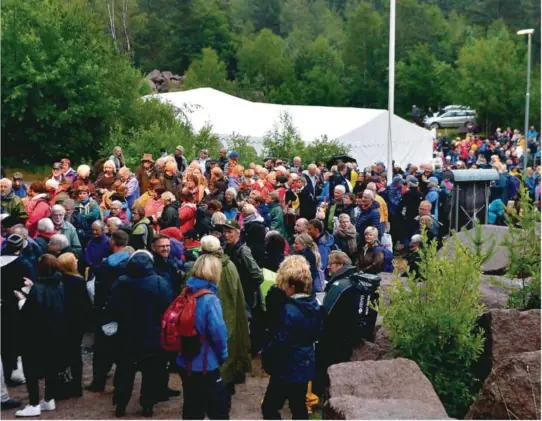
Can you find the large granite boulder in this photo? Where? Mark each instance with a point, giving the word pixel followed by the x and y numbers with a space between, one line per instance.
pixel 499 261
pixel 495 290
pixel 165 81
pixel 512 391
pixel 354 408
pixel 507 332
pixel 380 380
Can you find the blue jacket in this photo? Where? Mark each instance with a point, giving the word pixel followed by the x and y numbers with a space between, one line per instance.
pixel 263 210
pixel 432 196
pixel 369 218
pixel 211 327
pixel 107 273
pixel 324 194
pixel 394 200
pixel 326 243
pixel 289 355
pixel 495 211
pixel 20 191
pixel 137 303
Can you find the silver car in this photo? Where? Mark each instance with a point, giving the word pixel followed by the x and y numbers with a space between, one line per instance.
pixel 452 118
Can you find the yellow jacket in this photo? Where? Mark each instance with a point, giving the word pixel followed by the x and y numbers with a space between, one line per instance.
pixel 383 208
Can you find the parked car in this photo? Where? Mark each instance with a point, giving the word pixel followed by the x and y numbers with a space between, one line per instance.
pixel 452 119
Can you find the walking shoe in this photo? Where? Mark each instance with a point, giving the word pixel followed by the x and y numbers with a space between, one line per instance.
pixel 29 411
pixel 10 404
pixel 47 405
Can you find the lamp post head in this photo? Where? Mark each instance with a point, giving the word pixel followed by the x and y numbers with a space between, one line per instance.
pixel 526 32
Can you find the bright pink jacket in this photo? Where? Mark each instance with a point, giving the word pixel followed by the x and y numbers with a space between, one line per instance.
pixel 39 208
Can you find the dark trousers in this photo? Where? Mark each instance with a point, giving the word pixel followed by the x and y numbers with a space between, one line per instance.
pixel 204 394
pixel 34 368
pixel 151 367
pixel 328 353
pixel 75 361
pixel 103 358
pixel 278 391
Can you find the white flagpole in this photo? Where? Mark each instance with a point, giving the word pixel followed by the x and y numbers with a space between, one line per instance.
pixel 391 89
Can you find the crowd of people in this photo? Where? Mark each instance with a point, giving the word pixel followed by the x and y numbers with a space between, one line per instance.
pixel 107 249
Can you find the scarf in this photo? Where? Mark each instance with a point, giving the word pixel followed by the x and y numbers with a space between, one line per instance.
pixel 350 235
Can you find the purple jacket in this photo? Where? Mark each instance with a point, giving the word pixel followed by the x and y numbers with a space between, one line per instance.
pixel 97 250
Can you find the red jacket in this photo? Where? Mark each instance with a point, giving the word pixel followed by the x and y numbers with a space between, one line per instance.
pixel 39 208
pixel 187 217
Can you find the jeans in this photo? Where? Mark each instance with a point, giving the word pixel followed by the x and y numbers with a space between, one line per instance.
pixel 151 367
pixel 204 394
pixel 278 391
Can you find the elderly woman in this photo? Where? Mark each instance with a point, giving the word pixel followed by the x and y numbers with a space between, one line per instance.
pixel 370 258
pixel 204 392
pixel 37 208
pixel 98 246
pixel 229 206
pixel 155 206
pixel 129 180
pixel 294 324
pixel 170 213
pixel 105 180
pixel 116 210
pixel 83 179
pixel 305 246
pixel 346 237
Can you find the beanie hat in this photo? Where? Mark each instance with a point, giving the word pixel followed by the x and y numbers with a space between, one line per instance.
pixel 412 180
pixel 16 241
pixel 433 180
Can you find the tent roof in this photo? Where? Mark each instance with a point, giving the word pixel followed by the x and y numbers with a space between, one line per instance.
pixel 229 114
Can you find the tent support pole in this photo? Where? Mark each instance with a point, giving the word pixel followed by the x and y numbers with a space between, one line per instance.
pixel 391 88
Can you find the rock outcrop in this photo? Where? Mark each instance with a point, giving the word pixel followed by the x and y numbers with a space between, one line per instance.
pixel 375 383
pixel 512 390
pixel 507 332
pixel 161 82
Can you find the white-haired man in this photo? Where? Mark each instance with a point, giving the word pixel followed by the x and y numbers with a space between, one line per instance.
pixel 296 166
pixel 335 208
pixel 59 244
pixel 10 203
pixel 61 226
pixel 46 230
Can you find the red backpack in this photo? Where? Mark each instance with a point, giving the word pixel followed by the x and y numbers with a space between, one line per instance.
pixel 179 332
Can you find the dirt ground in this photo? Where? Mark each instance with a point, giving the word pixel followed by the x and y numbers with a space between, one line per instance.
pixel 245 403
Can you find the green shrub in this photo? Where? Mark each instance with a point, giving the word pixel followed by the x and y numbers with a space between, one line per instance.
pixel 434 322
pixel 523 244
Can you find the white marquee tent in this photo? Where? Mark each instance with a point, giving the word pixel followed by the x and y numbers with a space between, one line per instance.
pixel 365 130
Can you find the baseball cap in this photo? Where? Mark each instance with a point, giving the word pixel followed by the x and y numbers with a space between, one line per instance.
pixel 412 180
pixel 397 179
pixel 433 180
pixel 231 224
pixel 57 166
pixel 234 154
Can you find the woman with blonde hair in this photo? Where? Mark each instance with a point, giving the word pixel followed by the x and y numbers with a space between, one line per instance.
pixel 370 259
pixel 170 213
pixel 305 246
pixel 78 310
pixel 295 324
pixel 203 389
pixel 218 218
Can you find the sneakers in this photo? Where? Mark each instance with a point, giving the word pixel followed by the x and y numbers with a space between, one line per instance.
pixel 10 404
pixel 47 405
pixel 29 411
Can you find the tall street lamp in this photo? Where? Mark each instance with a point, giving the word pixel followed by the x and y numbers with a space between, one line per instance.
pixel 529 33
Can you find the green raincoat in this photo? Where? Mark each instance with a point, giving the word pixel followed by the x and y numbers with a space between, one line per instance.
pixel 230 293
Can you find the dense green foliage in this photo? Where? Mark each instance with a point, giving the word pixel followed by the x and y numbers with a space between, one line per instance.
pixel 523 244
pixel 434 322
pixel 72 71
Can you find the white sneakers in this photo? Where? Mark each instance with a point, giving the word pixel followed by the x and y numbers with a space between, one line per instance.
pixel 29 411
pixel 47 405
pixel 35 411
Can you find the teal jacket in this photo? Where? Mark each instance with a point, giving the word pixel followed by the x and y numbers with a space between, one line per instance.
pixel 277 218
